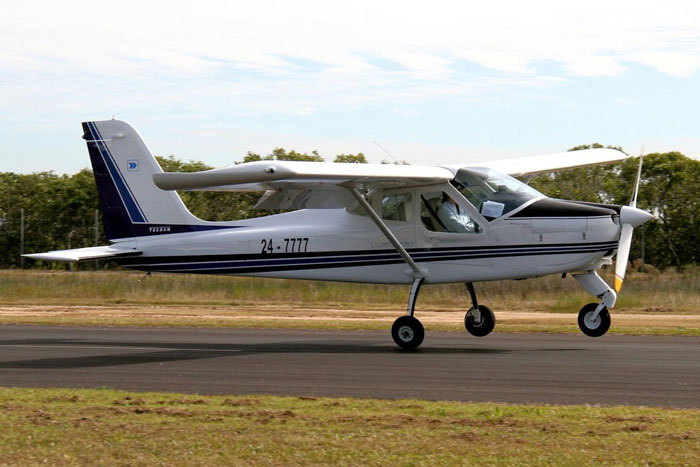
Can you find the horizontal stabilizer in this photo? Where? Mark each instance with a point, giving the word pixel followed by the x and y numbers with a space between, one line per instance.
pixel 80 254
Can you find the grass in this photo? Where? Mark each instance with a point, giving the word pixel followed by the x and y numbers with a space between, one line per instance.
pixel 666 303
pixel 665 292
pixel 106 427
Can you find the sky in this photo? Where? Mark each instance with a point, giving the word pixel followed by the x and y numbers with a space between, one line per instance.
pixel 436 82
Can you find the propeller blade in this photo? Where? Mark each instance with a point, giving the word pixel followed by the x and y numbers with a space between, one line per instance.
pixel 623 254
pixel 630 217
pixel 633 202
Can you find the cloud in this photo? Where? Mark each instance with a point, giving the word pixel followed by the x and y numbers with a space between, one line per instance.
pixel 351 53
pixel 210 60
pixel 135 36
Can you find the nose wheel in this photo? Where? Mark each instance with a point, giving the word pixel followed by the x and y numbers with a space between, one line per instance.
pixel 592 325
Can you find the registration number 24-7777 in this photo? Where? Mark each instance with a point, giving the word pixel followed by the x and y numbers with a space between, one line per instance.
pixel 287 245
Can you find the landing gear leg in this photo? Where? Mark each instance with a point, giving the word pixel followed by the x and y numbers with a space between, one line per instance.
pixel 479 320
pixel 407 331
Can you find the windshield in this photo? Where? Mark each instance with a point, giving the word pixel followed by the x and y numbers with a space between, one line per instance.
pixel 493 193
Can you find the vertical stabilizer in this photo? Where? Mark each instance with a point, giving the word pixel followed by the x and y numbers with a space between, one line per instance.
pixel 132 205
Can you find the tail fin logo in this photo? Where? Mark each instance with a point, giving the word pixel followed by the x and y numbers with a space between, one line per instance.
pixel 132 165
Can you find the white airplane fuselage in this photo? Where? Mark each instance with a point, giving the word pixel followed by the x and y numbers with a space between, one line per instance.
pixel 336 245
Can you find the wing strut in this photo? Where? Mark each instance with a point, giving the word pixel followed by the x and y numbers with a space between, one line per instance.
pixel 418 273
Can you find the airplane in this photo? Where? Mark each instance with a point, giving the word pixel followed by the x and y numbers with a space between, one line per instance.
pixel 369 223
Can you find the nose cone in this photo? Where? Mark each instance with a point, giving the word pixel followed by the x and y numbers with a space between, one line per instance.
pixel 634 216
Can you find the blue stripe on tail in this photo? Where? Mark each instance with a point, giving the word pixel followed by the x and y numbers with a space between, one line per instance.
pixel 132 207
pixel 116 219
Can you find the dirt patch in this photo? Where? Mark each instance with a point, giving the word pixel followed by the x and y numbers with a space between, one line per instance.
pixel 183 401
pixel 277 316
pixel 129 401
pixel 638 419
pixel 75 398
pixel 240 402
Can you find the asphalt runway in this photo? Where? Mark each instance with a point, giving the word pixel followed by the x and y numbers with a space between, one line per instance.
pixel 515 368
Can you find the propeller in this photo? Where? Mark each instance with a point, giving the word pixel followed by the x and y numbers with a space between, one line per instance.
pixel 630 217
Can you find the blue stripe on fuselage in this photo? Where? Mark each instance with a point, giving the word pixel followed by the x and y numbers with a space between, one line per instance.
pixel 250 263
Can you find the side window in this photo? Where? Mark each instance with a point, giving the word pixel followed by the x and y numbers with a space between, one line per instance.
pixel 439 213
pixel 430 203
pixel 397 207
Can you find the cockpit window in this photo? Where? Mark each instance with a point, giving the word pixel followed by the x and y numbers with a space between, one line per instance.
pixel 491 192
pixel 397 207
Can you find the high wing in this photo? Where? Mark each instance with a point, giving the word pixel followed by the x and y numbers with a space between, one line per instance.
pixel 79 254
pixel 296 175
pixel 273 175
pixel 534 165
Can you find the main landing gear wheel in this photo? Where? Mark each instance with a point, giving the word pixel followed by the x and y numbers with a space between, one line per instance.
pixel 480 323
pixel 593 327
pixel 408 332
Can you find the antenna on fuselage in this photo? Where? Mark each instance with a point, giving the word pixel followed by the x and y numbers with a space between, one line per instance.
pixel 386 151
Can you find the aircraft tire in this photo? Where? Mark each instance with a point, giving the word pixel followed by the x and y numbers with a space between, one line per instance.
pixel 485 326
pixel 593 328
pixel 408 332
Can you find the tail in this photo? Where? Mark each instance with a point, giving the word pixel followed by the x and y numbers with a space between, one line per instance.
pixel 132 206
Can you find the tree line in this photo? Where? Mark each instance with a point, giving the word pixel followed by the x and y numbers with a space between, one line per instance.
pixel 59 211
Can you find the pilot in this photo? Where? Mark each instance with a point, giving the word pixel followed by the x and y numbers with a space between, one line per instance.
pixel 453 218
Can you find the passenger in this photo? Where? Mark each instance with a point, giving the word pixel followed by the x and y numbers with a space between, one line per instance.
pixel 452 218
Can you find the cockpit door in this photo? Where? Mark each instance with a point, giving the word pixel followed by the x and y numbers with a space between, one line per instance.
pixel 446 217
